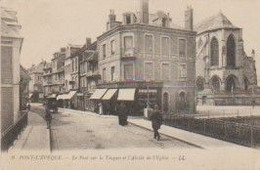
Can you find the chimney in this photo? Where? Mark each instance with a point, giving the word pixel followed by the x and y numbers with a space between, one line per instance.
pixel 253 53
pixel 111 19
pixel 144 11
pixel 88 42
pixel 189 18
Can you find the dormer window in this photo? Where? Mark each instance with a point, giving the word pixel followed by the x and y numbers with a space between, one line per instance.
pixel 128 19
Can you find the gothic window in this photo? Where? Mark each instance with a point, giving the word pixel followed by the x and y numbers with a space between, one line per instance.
pixel 230 84
pixel 231 51
pixel 215 83
pixel 214 51
pixel 182 101
pixel 148 44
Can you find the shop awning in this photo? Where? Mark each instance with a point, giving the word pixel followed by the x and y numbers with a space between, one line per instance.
pixel 126 95
pixel 109 94
pixel 70 95
pixel 61 96
pixel 51 96
pixel 30 95
pixel 98 94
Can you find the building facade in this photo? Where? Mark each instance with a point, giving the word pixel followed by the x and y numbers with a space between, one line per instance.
pixel 36 82
pixel 11 45
pixel 89 74
pixel 148 53
pixel 223 70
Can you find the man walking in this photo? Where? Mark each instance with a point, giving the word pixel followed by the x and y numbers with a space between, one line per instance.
pixel 156 119
pixel 47 115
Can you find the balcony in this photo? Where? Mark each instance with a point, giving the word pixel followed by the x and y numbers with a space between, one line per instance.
pixel 129 54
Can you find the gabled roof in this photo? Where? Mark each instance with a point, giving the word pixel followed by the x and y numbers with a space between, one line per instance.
pixel 218 21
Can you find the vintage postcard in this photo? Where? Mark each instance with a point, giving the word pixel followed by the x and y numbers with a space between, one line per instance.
pixel 130 84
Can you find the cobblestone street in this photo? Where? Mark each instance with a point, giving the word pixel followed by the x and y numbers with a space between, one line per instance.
pixel 86 131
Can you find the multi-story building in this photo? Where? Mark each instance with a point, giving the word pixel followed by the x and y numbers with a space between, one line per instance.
pixel 89 75
pixel 148 60
pixel 47 79
pixel 225 74
pixel 36 82
pixel 53 77
pixel 68 77
pixel 11 45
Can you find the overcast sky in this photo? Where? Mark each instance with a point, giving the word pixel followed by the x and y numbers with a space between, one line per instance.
pixel 48 25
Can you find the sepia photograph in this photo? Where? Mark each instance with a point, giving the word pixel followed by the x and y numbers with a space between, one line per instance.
pixel 130 84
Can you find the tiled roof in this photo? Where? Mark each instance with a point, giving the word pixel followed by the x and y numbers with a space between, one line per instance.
pixel 215 22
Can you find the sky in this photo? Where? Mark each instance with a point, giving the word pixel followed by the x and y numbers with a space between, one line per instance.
pixel 48 25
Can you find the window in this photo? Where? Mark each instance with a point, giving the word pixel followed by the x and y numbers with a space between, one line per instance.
pixel 165 71
pixel 128 72
pixel 148 44
pixel 6 64
pixel 128 19
pixel 231 51
pixel 182 71
pixel 112 44
pixel 76 64
pixel 148 71
pixel 164 22
pixel 128 42
pixel 104 50
pixel 165 46
pixel 214 52
pixel 182 48
pixel 215 83
pixel 72 65
pixel 104 74
pixel 112 73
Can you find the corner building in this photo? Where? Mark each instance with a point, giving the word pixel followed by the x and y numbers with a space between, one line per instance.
pixel 148 53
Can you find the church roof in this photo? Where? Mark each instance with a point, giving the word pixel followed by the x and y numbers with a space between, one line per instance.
pixel 215 22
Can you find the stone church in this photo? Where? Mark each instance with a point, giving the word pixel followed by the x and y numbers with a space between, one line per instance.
pixel 225 74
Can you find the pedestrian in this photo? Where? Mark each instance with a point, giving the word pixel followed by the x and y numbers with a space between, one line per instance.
pixel 47 115
pixel 156 119
pixel 122 115
pixel 100 108
pixel 28 106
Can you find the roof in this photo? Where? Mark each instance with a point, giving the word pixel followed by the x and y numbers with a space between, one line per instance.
pixel 9 23
pixel 24 73
pixel 217 21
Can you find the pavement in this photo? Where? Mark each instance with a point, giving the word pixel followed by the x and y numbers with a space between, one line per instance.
pixel 34 137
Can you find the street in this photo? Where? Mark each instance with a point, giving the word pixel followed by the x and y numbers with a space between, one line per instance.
pixel 89 131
